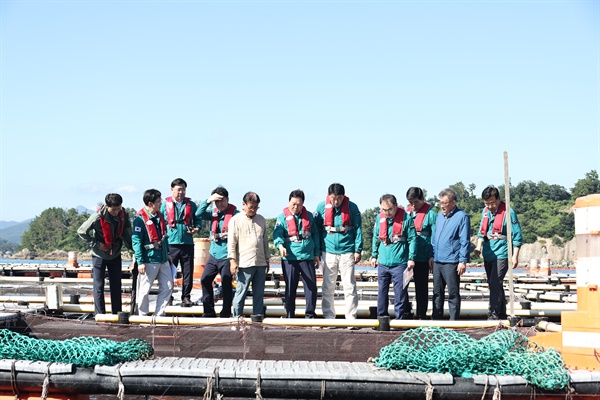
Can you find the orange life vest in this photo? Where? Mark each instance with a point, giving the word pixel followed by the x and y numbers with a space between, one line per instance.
pixel 215 222
pixel 107 229
pixel 420 216
pixel 291 224
pixel 396 227
pixel 153 232
pixel 498 221
pixel 330 212
pixel 187 213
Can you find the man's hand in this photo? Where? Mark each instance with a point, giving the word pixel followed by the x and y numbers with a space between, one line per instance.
pixel 430 264
pixel 282 250
pixel 373 262
pixel 268 268
pixel 142 269
pixel 214 197
pixel 462 267
pixel 233 267
pixel 356 258
pixel 103 247
pixel 317 261
pixel 411 264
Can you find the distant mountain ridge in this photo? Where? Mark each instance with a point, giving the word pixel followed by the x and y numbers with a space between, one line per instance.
pixel 11 231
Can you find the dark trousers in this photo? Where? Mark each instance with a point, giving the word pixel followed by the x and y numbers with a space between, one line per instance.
pixel 385 276
pixel 421 278
pixel 99 267
pixel 445 274
pixel 496 271
pixel 211 269
pixel 185 254
pixel 292 270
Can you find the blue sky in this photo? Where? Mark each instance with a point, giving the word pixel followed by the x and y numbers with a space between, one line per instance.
pixel 270 96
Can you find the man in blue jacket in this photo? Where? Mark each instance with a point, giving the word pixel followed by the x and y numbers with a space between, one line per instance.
pixel 451 241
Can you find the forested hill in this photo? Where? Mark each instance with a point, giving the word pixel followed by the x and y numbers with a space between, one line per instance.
pixel 544 211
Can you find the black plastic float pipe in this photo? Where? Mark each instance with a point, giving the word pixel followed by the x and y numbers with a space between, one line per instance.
pixel 85 381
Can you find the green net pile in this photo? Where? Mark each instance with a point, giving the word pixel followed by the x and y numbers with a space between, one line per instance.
pixel 504 352
pixel 82 351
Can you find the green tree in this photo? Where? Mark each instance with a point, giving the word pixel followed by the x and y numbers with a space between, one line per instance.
pixel 54 229
pixel 589 185
pixel 369 218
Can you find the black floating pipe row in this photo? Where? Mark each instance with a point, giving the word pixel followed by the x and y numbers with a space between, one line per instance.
pixel 85 381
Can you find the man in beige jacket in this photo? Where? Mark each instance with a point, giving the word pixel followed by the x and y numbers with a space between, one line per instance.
pixel 248 252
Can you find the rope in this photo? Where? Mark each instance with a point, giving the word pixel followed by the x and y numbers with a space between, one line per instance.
pixel 208 392
pixel 322 389
pixel 258 395
pixel 46 383
pixel 485 387
pixel 497 393
pixel 428 389
pixel 121 391
pixel 13 379
pixel 244 328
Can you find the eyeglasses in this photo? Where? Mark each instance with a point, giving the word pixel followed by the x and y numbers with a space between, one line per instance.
pixel 490 203
pixel 445 203
pixel 387 210
pixel 252 207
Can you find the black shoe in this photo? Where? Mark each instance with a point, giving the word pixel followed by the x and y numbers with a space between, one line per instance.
pixel 186 302
pixel 209 315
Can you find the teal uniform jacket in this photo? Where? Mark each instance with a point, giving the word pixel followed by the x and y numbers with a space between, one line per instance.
pixel 399 253
pixel 340 243
pixel 424 247
pixel 218 248
pixel 305 250
pixel 498 249
pixel 140 239
pixel 178 234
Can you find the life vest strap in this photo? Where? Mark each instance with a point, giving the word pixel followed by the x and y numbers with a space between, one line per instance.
pixel 338 229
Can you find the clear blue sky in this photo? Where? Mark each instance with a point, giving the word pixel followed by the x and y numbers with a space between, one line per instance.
pixel 270 96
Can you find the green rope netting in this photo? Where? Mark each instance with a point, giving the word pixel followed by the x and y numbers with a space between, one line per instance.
pixel 82 351
pixel 504 352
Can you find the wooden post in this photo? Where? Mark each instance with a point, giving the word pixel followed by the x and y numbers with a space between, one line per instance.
pixel 509 237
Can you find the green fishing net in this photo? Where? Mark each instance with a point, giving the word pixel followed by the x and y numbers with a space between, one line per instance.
pixel 504 352
pixel 82 351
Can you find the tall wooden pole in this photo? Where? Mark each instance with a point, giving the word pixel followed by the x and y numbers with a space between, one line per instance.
pixel 509 237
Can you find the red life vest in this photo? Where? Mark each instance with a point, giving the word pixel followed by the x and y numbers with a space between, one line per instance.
pixel 329 212
pixel 215 222
pixel 396 228
pixel 498 221
pixel 107 229
pixel 187 213
pixel 420 216
pixel 291 224
pixel 151 226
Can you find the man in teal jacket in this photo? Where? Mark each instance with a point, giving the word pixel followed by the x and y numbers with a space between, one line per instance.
pixel 340 225
pixel 493 241
pixel 393 252
pixel 183 221
pixel 150 245
pixel 297 238
pixel 217 262
pixel 424 217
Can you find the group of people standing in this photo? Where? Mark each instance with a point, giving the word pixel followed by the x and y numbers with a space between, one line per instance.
pixel 412 242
